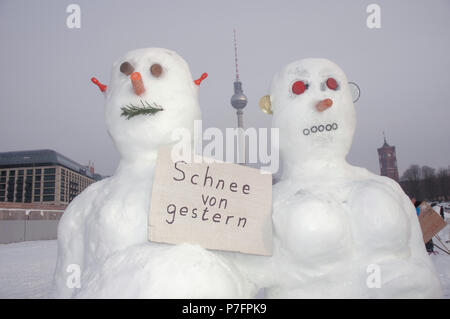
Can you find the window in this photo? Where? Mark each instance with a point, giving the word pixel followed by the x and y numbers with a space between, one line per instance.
pixel 49 184
pixel 2 193
pixel 50 171
pixel 48 198
pixel 2 186
pixel 37 198
pixel 3 173
pixel 2 199
pixel 29 172
pixel 37 192
pixel 37 184
pixel 63 172
pixel 12 173
pixel 2 179
pixel 21 172
pixel 49 191
pixel 38 171
pixel 37 178
pixel 49 177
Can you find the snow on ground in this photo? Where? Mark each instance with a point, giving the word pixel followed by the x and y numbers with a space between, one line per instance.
pixel 26 269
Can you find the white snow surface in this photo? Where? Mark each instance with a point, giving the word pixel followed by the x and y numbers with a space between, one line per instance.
pixel 334 222
pixel 26 269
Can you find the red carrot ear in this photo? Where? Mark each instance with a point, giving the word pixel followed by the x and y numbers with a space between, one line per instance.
pixel 200 79
pixel 101 86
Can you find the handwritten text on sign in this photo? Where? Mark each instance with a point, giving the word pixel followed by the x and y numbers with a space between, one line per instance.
pixel 216 205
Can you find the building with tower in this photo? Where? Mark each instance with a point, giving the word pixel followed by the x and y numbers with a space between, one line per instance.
pixel 388 161
pixel 239 102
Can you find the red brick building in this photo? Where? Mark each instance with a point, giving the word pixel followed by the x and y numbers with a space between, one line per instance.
pixel 388 161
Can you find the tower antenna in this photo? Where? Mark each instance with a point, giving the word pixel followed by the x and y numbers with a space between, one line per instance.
pixel 239 101
pixel 236 56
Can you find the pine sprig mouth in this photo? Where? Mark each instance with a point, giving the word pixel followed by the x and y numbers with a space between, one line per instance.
pixel 131 110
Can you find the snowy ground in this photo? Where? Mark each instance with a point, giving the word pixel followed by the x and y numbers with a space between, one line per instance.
pixel 26 269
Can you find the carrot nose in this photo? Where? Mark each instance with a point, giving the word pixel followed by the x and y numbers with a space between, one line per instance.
pixel 138 85
pixel 324 104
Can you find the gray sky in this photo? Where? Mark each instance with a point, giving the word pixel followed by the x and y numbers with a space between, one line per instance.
pixel 403 69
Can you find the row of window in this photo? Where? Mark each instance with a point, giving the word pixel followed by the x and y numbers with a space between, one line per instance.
pixel 45 198
pixel 25 188
pixel 37 171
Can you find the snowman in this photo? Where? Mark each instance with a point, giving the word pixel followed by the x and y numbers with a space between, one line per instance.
pixel 103 251
pixel 339 230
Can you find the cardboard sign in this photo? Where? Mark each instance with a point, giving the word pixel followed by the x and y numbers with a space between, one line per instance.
pixel 216 205
pixel 430 222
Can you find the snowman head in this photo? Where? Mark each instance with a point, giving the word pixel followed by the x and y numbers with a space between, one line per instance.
pixel 312 106
pixel 151 93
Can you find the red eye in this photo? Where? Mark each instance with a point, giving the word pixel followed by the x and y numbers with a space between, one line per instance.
pixel 298 87
pixel 332 84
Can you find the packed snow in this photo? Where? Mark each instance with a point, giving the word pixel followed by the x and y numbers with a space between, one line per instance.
pixel 26 269
pixel 104 230
pixel 333 222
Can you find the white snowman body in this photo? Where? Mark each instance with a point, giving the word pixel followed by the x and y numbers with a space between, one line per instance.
pixel 339 230
pixel 103 232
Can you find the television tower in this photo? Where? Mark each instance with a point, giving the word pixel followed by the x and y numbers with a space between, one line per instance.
pixel 239 101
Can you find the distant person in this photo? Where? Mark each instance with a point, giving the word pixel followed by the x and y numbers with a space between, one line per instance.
pixel 441 210
pixel 429 245
pixel 414 201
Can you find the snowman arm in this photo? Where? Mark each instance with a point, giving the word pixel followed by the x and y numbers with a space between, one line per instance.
pixel 102 87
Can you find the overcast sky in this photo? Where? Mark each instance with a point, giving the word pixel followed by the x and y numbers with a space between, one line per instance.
pixel 403 69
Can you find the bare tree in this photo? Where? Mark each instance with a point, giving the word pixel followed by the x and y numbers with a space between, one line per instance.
pixel 443 184
pixel 428 184
pixel 410 182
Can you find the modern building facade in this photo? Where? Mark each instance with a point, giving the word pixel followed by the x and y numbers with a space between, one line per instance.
pixel 388 161
pixel 42 177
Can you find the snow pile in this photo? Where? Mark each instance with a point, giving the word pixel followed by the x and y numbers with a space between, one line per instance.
pixel 104 230
pixel 26 269
pixel 336 227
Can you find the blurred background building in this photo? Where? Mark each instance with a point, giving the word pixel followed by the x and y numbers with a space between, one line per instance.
pixel 35 188
pixel 42 176
pixel 388 161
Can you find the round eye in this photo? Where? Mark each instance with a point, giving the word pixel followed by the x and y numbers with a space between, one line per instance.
pixel 126 68
pixel 156 70
pixel 299 87
pixel 332 84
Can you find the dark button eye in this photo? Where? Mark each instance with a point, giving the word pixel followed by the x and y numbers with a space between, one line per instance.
pixel 126 68
pixel 299 87
pixel 156 70
pixel 332 84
